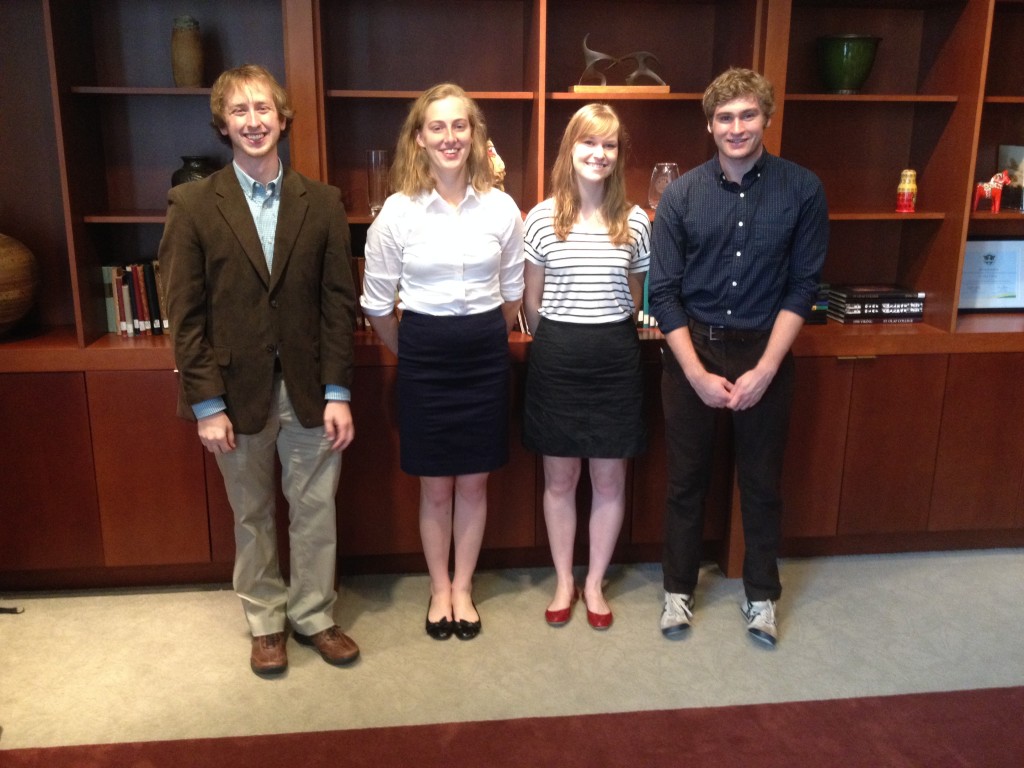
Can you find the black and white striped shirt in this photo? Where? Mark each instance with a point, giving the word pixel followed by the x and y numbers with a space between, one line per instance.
pixel 586 278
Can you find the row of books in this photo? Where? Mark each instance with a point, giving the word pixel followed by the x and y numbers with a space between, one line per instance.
pixel 136 300
pixel 853 304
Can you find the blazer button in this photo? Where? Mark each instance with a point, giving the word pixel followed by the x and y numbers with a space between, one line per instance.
pixel 270 348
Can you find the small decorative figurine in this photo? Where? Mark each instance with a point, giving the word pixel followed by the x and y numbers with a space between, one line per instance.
pixel 597 64
pixel 992 190
pixel 592 59
pixel 642 70
pixel 497 166
pixel 906 192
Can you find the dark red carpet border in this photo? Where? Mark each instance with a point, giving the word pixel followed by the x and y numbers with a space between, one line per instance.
pixel 983 728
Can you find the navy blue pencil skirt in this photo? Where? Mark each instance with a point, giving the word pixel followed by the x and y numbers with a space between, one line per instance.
pixel 453 392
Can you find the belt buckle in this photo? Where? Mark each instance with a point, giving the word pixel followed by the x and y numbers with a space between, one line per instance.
pixel 711 332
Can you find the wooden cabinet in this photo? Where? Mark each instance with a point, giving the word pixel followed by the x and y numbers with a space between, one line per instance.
pixel 812 478
pixel 943 95
pixel 49 515
pixel 980 464
pixel 150 478
pixel 892 436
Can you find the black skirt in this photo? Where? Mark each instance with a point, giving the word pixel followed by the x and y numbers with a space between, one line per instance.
pixel 584 391
pixel 453 391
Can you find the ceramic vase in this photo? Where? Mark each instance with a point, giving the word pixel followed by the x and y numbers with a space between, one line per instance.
pixel 19 282
pixel 846 61
pixel 187 53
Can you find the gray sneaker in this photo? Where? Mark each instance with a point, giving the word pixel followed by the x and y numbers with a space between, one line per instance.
pixel 677 614
pixel 760 616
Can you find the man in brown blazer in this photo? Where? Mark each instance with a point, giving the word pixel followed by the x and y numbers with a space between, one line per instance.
pixel 261 306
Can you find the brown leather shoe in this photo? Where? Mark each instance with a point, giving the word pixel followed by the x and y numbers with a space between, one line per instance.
pixel 335 646
pixel 268 655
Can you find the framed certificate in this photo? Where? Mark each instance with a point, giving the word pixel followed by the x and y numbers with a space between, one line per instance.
pixel 993 276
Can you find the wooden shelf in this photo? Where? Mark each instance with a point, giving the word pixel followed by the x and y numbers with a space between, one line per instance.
pixel 611 96
pixel 126 217
pixel 870 98
pixel 125 90
pixel 835 215
pixel 410 95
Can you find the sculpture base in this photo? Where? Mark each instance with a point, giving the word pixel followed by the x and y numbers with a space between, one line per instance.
pixel 619 89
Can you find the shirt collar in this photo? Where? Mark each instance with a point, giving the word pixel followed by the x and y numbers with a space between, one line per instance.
pixel 254 189
pixel 433 198
pixel 748 178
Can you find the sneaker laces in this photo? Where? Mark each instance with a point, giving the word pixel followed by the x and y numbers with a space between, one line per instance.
pixel 761 610
pixel 678 605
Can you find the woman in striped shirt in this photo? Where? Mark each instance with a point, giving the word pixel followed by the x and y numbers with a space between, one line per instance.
pixel 587 251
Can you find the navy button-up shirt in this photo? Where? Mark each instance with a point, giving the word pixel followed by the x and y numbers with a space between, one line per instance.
pixel 734 255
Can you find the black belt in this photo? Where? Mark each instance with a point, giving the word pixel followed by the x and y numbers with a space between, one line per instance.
pixel 721 333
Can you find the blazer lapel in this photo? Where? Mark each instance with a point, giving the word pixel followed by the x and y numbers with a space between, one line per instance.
pixel 235 211
pixel 289 221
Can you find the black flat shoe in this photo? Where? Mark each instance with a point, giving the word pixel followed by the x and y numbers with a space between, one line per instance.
pixel 441 629
pixel 467 630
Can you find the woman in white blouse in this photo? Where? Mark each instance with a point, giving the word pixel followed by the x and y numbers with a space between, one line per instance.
pixel 449 245
pixel 587 252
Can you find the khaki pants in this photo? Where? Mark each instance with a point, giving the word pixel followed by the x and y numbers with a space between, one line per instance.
pixel 309 478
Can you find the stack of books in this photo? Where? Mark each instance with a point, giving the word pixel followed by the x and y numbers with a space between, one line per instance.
pixel 875 304
pixel 819 309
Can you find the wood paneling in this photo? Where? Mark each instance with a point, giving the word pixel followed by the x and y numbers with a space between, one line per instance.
pixel 981 444
pixel 49 516
pixel 813 473
pixel 149 469
pixel 895 408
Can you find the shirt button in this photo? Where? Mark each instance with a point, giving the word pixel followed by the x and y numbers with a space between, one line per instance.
pixel 740 224
pixel 733 283
pixel 739 253
pixel 743 194
pixel 728 311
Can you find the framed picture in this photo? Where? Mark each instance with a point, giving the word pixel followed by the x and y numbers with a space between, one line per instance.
pixel 993 275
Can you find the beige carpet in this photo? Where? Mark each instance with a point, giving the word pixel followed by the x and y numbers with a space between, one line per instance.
pixel 90 668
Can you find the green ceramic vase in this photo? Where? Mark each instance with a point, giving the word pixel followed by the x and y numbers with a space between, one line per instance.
pixel 846 61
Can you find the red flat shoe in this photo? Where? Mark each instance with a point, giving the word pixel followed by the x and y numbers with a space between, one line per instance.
pixel 561 617
pixel 600 621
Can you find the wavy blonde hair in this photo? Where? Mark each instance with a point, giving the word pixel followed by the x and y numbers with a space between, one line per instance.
pixel 410 173
pixel 591 120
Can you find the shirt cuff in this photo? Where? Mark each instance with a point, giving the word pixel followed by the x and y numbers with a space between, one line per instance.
pixel 338 392
pixel 209 407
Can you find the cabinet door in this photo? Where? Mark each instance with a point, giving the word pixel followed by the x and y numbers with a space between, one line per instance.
pixel 813 473
pixel 512 509
pixel 981 454
pixel 895 409
pixel 49 516
pixel 149 471
pixel 378 504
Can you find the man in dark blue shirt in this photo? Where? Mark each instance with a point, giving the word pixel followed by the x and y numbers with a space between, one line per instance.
pixel 737 250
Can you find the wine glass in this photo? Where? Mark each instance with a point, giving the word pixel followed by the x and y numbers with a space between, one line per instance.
pixel 662 175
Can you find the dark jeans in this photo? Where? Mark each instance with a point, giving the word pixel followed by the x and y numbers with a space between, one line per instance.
pixel 760 438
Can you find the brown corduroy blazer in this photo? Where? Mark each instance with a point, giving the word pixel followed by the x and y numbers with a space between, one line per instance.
pixel 230 318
